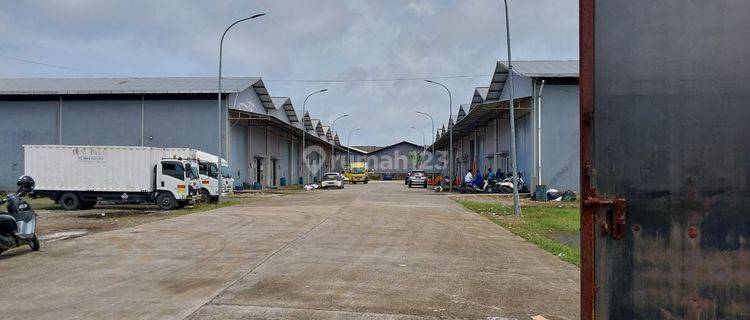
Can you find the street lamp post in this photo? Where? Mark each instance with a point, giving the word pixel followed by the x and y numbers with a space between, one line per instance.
pixel 516 200
pixel 424 146
pixel 450 132
pixel 222 133
pixel 304 128
pixel 348 145
pixel 432 124
pixel 333 129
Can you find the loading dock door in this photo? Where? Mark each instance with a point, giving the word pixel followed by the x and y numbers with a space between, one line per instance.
pixel 665 159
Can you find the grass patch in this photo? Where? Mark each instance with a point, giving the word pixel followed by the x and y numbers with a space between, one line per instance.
pixel 551 228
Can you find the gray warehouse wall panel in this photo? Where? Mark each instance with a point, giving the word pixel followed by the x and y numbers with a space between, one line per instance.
pixel 560 137
pixel 238 155
pixel 23 122
pixel 182 123
pixel 101 122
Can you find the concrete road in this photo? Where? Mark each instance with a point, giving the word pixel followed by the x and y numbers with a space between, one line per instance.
pixel 375 251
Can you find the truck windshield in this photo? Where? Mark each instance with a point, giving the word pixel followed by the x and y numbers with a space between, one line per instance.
pixel 358 170
pixel 193 173
pixel 225 171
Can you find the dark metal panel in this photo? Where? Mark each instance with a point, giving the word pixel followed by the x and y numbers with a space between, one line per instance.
pixel 665 126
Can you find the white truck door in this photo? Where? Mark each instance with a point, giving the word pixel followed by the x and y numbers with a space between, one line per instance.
pixel 171 177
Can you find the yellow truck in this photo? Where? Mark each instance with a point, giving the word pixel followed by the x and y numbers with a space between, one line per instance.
pixel 357 172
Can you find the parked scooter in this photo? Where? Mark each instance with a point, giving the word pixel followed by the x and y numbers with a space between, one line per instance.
pixel 473 188
pixel 506 185
pixel 18 225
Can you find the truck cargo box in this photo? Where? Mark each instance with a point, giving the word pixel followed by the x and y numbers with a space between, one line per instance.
pixel 91 168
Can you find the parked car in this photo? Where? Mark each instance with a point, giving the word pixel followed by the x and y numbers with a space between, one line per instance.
pixel 416 177
pixel 387 176
pixel 332 180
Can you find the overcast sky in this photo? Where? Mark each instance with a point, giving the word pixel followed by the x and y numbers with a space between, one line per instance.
pixel 297 40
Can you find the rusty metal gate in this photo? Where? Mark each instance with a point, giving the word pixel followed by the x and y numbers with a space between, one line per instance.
pixel 665 159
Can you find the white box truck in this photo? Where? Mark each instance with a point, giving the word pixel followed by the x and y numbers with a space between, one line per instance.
pixel 77 177
pixel 208 166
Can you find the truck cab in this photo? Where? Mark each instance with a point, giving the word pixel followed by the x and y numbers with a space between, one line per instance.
pixel 176 183
pixel 357 172
pixel 209 179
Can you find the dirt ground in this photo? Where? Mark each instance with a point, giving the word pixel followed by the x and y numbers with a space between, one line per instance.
pixel 53 221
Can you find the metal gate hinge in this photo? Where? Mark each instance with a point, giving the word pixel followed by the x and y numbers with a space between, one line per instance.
pixel 614 222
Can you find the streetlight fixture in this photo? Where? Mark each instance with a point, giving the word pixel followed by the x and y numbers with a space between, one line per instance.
pixel 222 113
pixel 348 145
pixel 450 132
pixel 432 124
pixel 516 200
pixel 304 128
pixel 424 147
pixel 333 129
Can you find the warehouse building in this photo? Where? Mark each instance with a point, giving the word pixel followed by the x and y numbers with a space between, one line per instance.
pixel 546 120
pixel 397 159
pixel 263 133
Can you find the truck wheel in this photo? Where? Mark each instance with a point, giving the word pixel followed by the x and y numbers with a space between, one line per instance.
pixel 69 201
pixel 34 244
pixel 205 196
pixel 166 201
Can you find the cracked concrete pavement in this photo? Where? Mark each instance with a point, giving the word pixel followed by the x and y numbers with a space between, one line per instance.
pixel 375 251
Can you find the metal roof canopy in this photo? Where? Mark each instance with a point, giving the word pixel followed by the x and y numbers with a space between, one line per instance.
pixel 65 86
pixel 260 119
pixel 140 86
pixel 531 69
pixel 286 104
pixel 482 114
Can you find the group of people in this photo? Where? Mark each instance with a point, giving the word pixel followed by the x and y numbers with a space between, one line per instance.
pixel 477 178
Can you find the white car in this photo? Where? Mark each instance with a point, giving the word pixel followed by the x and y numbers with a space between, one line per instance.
pixel 332 180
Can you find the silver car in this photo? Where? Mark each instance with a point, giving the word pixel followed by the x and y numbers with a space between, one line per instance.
pixel 417 178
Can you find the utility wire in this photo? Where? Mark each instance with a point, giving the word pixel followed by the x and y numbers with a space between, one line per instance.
pixel 58 66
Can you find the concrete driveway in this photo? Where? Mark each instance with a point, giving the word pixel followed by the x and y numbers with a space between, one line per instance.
pixel 375 251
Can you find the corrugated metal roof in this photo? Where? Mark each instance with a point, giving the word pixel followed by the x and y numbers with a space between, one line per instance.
pixel 37 86
pixel 545 68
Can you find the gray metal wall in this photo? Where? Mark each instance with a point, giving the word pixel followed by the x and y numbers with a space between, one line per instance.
pixel 167 123
pixel 397 154
pixel 560 138
pixel 23 122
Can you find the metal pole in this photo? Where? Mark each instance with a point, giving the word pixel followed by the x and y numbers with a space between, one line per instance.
pixel 424 146
pixel 304 127
pixel 222 133
pixel 432 125
pixel 333 127
pixel 516 200
pixel 539 134
pixel 450 133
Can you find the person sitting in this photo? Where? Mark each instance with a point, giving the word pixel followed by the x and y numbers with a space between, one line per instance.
pixel 499 175
pixel 490 175
pixel 479 181
pixel 469 178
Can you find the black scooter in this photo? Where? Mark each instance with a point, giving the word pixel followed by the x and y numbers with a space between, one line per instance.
pixel 18 225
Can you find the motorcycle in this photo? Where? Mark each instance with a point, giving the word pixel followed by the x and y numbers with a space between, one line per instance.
pixel 18 225
pixel 506 185
pixel 473 188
